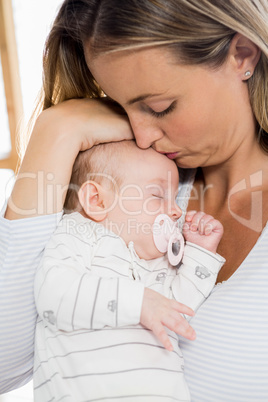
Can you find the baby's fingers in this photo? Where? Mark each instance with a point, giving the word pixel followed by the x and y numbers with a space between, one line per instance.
pixel 180 325
pixel 189 215
pixel 162 336
pixel 206 224
pixel 192 223
pixel 182 308
pixel 213 226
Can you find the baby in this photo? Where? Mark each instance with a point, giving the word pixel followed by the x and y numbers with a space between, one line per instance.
pixel 100 286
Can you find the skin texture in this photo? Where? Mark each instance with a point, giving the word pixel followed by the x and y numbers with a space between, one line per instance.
pixel 212 126
pixel 200 117
pixel 203 128
pixel 145 193
pixel 60 132
pixel 130 212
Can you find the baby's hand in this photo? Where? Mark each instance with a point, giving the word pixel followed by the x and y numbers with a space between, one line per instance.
pixel 202 230
pixel 158 311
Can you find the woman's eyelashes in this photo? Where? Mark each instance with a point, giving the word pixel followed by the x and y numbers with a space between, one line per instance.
pixel 163 112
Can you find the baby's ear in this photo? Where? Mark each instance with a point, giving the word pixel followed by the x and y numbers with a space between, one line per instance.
pixel 92 198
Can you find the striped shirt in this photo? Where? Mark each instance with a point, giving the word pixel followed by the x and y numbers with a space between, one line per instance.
pixel 227 362
pixel 229 359
pixel 89 291
pixel 21 246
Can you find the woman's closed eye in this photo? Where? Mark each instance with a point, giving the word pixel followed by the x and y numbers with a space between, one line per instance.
pixel 163 112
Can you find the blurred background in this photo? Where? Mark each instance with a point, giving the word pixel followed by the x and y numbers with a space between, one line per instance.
pixel 32 21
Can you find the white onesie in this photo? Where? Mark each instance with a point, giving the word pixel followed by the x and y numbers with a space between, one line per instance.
pixel 89 291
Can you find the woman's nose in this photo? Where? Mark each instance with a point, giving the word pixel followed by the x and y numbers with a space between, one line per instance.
pixel 145 135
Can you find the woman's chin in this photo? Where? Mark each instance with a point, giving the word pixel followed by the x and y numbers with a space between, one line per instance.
pixel 184 164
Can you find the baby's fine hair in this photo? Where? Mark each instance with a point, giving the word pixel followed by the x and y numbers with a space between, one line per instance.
pixel 104 164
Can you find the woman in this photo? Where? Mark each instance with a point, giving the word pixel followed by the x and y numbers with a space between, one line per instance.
pixel 192 77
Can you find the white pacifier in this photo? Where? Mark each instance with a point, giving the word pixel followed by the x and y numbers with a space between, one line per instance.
pixel 168 238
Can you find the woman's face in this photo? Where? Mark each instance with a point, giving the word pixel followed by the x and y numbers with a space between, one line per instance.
pixel 196 115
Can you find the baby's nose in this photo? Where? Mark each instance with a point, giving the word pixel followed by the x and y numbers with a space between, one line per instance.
pixel 175 212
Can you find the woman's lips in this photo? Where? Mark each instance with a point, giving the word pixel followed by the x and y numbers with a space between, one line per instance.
pixel 172 155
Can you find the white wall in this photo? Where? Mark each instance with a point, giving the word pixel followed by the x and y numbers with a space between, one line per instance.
pixel 33 19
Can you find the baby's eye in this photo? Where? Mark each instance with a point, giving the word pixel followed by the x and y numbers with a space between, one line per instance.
pixel 158 196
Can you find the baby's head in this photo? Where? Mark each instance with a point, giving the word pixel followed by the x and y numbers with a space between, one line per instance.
pixel 124 188
pixel 101 164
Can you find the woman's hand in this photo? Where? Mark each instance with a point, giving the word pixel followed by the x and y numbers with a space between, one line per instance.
pixel 158 311
pixel 59 134
pixel 87 122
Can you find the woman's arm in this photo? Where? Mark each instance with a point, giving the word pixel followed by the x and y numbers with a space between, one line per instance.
pixel 59 134
pixel 21 246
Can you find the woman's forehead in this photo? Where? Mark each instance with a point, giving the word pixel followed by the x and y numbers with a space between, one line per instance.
pixel 128 77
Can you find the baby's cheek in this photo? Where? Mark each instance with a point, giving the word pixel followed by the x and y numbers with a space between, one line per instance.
pixel 153 206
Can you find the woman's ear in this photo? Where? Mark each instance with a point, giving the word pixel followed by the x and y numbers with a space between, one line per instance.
pixel 245 55
pixel 92 198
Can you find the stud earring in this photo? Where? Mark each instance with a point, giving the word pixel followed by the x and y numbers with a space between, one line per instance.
pixel 247 73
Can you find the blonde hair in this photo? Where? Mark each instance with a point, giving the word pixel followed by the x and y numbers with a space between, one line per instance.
pixel 104 163
pixel 197 31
